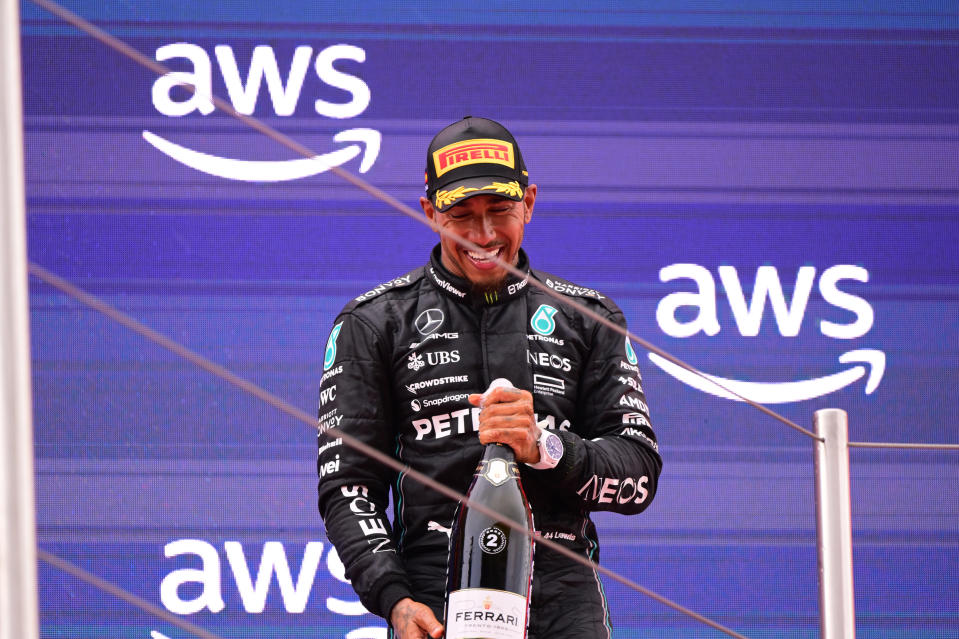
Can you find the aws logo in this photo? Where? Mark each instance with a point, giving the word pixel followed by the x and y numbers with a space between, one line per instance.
pixel 687 313
pixel 284 94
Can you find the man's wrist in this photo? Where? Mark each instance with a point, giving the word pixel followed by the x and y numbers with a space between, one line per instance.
pixel 391 594
pixel 550 447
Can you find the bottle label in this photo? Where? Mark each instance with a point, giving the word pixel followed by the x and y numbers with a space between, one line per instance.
pixel 481 612
pixel 497 472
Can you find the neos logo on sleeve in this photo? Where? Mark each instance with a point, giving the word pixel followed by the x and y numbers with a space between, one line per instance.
pixel 748 316
pixel 284 94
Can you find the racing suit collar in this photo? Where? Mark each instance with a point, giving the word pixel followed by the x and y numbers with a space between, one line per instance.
pixel 459 288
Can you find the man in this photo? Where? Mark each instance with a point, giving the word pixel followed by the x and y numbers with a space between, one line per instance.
pixel 403 371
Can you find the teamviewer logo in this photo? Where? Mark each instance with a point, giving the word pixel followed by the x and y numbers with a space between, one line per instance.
pixel 284 94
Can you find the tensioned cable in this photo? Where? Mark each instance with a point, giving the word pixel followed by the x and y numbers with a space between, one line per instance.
pixel 903 445
pixel 293 145
pixel 280 404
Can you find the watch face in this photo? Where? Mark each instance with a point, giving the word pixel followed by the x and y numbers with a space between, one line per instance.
pixel 553 445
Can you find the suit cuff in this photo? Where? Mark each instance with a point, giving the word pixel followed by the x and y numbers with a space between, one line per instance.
pixel 388 597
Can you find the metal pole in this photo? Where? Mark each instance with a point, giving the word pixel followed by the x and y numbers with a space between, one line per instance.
pixel 834 525
pixel 18 540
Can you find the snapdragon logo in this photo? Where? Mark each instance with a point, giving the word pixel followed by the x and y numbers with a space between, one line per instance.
pixel 284 96
pixel 748 317
pixel 187 591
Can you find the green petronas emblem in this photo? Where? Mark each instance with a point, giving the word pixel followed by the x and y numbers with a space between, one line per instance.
pixel 630 353
pixel 542 320
pixel 330 356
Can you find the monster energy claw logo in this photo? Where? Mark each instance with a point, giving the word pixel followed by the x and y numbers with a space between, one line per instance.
pixel 542 321
pixel 330 355
pixel 630 353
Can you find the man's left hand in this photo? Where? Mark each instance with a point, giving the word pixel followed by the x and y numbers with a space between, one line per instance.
pixel 507 418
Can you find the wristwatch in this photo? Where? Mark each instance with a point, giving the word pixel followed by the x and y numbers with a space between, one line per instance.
pixel 550 449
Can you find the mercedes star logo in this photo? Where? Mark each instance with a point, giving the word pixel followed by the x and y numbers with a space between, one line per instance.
pixel 429 320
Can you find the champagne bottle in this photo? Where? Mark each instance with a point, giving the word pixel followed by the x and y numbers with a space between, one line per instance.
pixel 491 564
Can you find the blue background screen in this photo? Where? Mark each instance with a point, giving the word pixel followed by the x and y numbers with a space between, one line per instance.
pixel 769 190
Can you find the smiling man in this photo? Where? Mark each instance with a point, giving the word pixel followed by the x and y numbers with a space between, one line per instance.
pixel 403 370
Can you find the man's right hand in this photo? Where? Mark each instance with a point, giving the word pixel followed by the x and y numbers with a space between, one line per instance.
pixel 412 620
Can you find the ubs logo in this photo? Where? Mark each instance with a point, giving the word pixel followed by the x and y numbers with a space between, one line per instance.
pixel 284 96
pixel 748 316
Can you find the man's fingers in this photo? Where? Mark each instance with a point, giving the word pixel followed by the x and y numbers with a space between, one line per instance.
pixel 504 409
pixel 503 394
pixel 428 622
pixel 413 620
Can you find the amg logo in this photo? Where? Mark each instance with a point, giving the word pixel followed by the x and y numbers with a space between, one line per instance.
pixel 414 345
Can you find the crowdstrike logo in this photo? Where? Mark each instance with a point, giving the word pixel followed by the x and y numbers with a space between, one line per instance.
pixel 284 96
pixel 748 316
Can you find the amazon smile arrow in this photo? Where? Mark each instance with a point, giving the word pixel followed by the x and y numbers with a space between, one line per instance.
pixel 275 171
pixel 785 392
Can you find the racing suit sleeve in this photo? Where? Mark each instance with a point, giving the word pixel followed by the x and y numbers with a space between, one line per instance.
pixel 353 490
pixel 611 458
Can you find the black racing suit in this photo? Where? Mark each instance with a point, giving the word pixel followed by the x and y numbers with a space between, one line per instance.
pixel 399 364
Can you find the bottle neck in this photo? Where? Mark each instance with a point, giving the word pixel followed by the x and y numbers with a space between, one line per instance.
pixel 499 451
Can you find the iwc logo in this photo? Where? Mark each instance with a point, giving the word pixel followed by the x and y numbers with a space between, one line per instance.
pixel 492 541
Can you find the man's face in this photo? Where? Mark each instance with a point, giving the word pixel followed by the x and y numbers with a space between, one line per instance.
pixel 493 223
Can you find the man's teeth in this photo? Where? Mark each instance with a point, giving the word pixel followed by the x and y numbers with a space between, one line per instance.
pixel 482 257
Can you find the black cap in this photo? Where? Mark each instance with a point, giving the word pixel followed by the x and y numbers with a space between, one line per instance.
pixel 474 156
